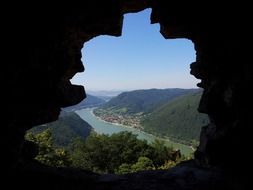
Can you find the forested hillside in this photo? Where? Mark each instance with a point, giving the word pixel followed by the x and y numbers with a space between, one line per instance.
pixel 178 119
pixel 143 101
pixel 170 113
pixel 68 127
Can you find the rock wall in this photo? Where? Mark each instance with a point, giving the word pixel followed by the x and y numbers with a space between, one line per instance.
pixel 222 64
pixel 44 51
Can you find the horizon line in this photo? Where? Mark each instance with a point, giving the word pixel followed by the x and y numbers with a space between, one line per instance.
pixel 139 89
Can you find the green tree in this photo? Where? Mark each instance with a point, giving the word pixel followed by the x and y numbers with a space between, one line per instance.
pixel 124 169
pixel 103 153
pixel 161 153
pixel 128 148
pixel 77 148
pixel 120 153
pixel 48 154
pixel 167 165
pixel 143 163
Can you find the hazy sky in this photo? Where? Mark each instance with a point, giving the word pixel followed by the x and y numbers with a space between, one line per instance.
pixel 141 58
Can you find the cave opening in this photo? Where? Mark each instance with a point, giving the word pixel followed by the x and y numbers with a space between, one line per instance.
pixel 37 85
pixel 141 62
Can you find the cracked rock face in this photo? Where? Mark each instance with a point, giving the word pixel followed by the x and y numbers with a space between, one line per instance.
pixel 49 55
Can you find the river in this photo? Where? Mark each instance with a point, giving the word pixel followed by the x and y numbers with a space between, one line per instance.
pixel 103 127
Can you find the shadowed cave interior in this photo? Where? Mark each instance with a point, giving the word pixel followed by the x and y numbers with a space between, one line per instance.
pixel 38 86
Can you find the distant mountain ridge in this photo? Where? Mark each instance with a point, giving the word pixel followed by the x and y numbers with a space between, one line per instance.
pixel 105 93
pixel 89 101
pixel 144 100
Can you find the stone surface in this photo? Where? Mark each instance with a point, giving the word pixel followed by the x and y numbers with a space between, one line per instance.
pixel 44 50
pixel 185 176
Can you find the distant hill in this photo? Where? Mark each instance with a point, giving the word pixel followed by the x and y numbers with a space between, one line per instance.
pixel 106 98
pixel 89 101
pixel 178 119
pixel 105 93
pixel 68 127
pixel 144 101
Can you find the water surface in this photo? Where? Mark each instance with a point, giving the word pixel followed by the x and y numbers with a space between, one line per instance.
pixel 103 127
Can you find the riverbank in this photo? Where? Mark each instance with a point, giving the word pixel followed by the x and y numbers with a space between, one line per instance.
pixel 104 127
pixel 142 131
pixel 127 127
pixel 132 120
pixel 102 117
pixel 113 123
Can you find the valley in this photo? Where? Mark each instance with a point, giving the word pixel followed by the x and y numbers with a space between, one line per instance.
pixel 103 127
pixel 167 113
pixel 158 127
